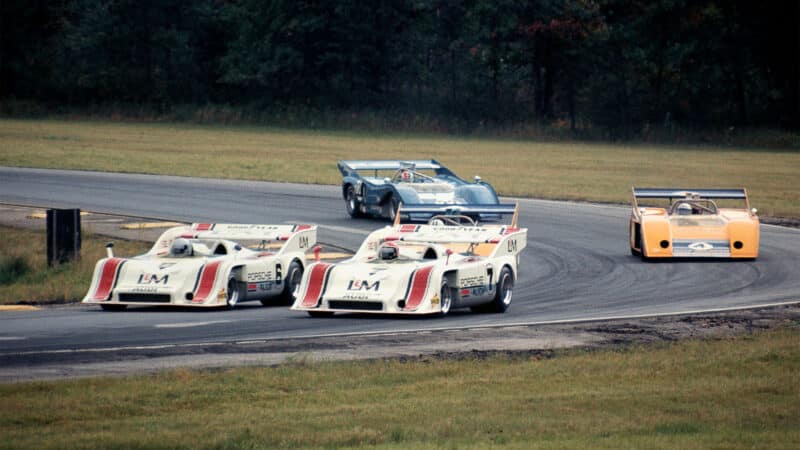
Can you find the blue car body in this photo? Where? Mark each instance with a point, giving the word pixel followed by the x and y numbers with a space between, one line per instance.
pixel 376 188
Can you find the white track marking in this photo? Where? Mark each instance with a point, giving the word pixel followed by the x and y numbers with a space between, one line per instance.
pixel 189 324
pixel 12 338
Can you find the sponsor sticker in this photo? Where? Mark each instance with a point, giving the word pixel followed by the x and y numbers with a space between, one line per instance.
pixel 700 246
pixel 435 299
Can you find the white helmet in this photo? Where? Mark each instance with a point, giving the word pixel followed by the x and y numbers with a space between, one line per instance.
pixel 180 247
pixel 684 209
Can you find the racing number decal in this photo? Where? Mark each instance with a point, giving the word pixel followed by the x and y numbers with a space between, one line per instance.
pixel 302 241
pixel 278 276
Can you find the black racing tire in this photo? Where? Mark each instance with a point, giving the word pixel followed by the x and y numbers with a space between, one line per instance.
pixel 291 283
pixel 232 293
pixel 503 294
pixel 320 313
pixel 114 307
pixel 351 202
pixel 638 242
pixel 392 205
pixel 445 299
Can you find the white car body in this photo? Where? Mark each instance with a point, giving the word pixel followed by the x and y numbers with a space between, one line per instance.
pixel 229 263
pixel 473 265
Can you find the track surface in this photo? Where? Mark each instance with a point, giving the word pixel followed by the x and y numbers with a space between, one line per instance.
pixel 577 265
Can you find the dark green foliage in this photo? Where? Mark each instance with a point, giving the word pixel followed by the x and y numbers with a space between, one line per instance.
pixel 627 67
pixel 12 268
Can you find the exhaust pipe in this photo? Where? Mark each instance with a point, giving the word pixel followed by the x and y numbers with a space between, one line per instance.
pixel 110 249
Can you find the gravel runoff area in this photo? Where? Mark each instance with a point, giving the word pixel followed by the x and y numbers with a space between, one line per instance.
pixel 541 340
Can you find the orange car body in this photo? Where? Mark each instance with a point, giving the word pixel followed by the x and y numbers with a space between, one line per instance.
pixel 693 226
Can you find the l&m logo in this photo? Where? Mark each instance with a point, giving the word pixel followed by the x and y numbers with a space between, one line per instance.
pixel 152 278
pixel 363 285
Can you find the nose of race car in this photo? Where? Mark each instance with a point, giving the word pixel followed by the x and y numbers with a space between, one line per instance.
pixel 140 277
pixel 369 282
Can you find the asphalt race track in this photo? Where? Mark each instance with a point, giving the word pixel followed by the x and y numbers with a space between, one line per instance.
pixel 577 265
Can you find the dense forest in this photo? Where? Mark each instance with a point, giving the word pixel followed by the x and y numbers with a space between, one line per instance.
pixel 623 66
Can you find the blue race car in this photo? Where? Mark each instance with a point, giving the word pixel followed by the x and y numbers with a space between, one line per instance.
pixel 377 188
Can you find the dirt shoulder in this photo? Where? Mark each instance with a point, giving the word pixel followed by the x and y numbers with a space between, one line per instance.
pixel 538 340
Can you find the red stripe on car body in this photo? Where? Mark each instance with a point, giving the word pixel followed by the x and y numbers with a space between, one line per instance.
pixel 510 230
pixel 107 276
pixel 204 226
pixel 419 285
pixel 315 284
pixel 302 227
pixel 408 228
pixel 207 279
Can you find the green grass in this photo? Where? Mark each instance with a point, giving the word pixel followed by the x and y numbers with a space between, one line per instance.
pixel 732 393
pixel 25 277
pixel 556 170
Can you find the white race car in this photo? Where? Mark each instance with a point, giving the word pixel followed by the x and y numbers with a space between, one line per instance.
pixel 207 265
pixel 421 269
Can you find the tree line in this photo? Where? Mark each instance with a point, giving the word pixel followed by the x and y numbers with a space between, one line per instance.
pixel 618 65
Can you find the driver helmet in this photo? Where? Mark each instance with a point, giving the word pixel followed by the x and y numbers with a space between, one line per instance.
pixel 407 176
pixel 180 247
pixel 388 252
pixel 684 209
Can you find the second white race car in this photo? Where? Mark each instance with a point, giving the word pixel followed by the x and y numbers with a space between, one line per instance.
pixel 209 265
pixel 421 269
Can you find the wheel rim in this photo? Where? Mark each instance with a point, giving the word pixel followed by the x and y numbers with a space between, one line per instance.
pixel 294 282
pixel 445 305
pixel 392 209
pixel 351 200
pixel 233 292
pixel 507 289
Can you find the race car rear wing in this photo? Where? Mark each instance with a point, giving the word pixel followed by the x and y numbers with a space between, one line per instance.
pixel 291 237
pixel 458 210
pixel 351 168
pixel 670 193
pixel 494 239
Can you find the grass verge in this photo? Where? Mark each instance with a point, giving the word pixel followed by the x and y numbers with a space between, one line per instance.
pixel 25 277
pixel 556 170
pixel 733 393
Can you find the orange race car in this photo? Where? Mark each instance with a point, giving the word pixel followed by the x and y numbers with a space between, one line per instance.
pixel 693 223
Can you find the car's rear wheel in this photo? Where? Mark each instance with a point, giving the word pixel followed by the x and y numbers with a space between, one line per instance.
pixel 232 294
pixel 502 297
pixel 636 238
pixel 393 204
pixel 114 307
pixel 291 283
pixel 445 299
pixel 351 201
